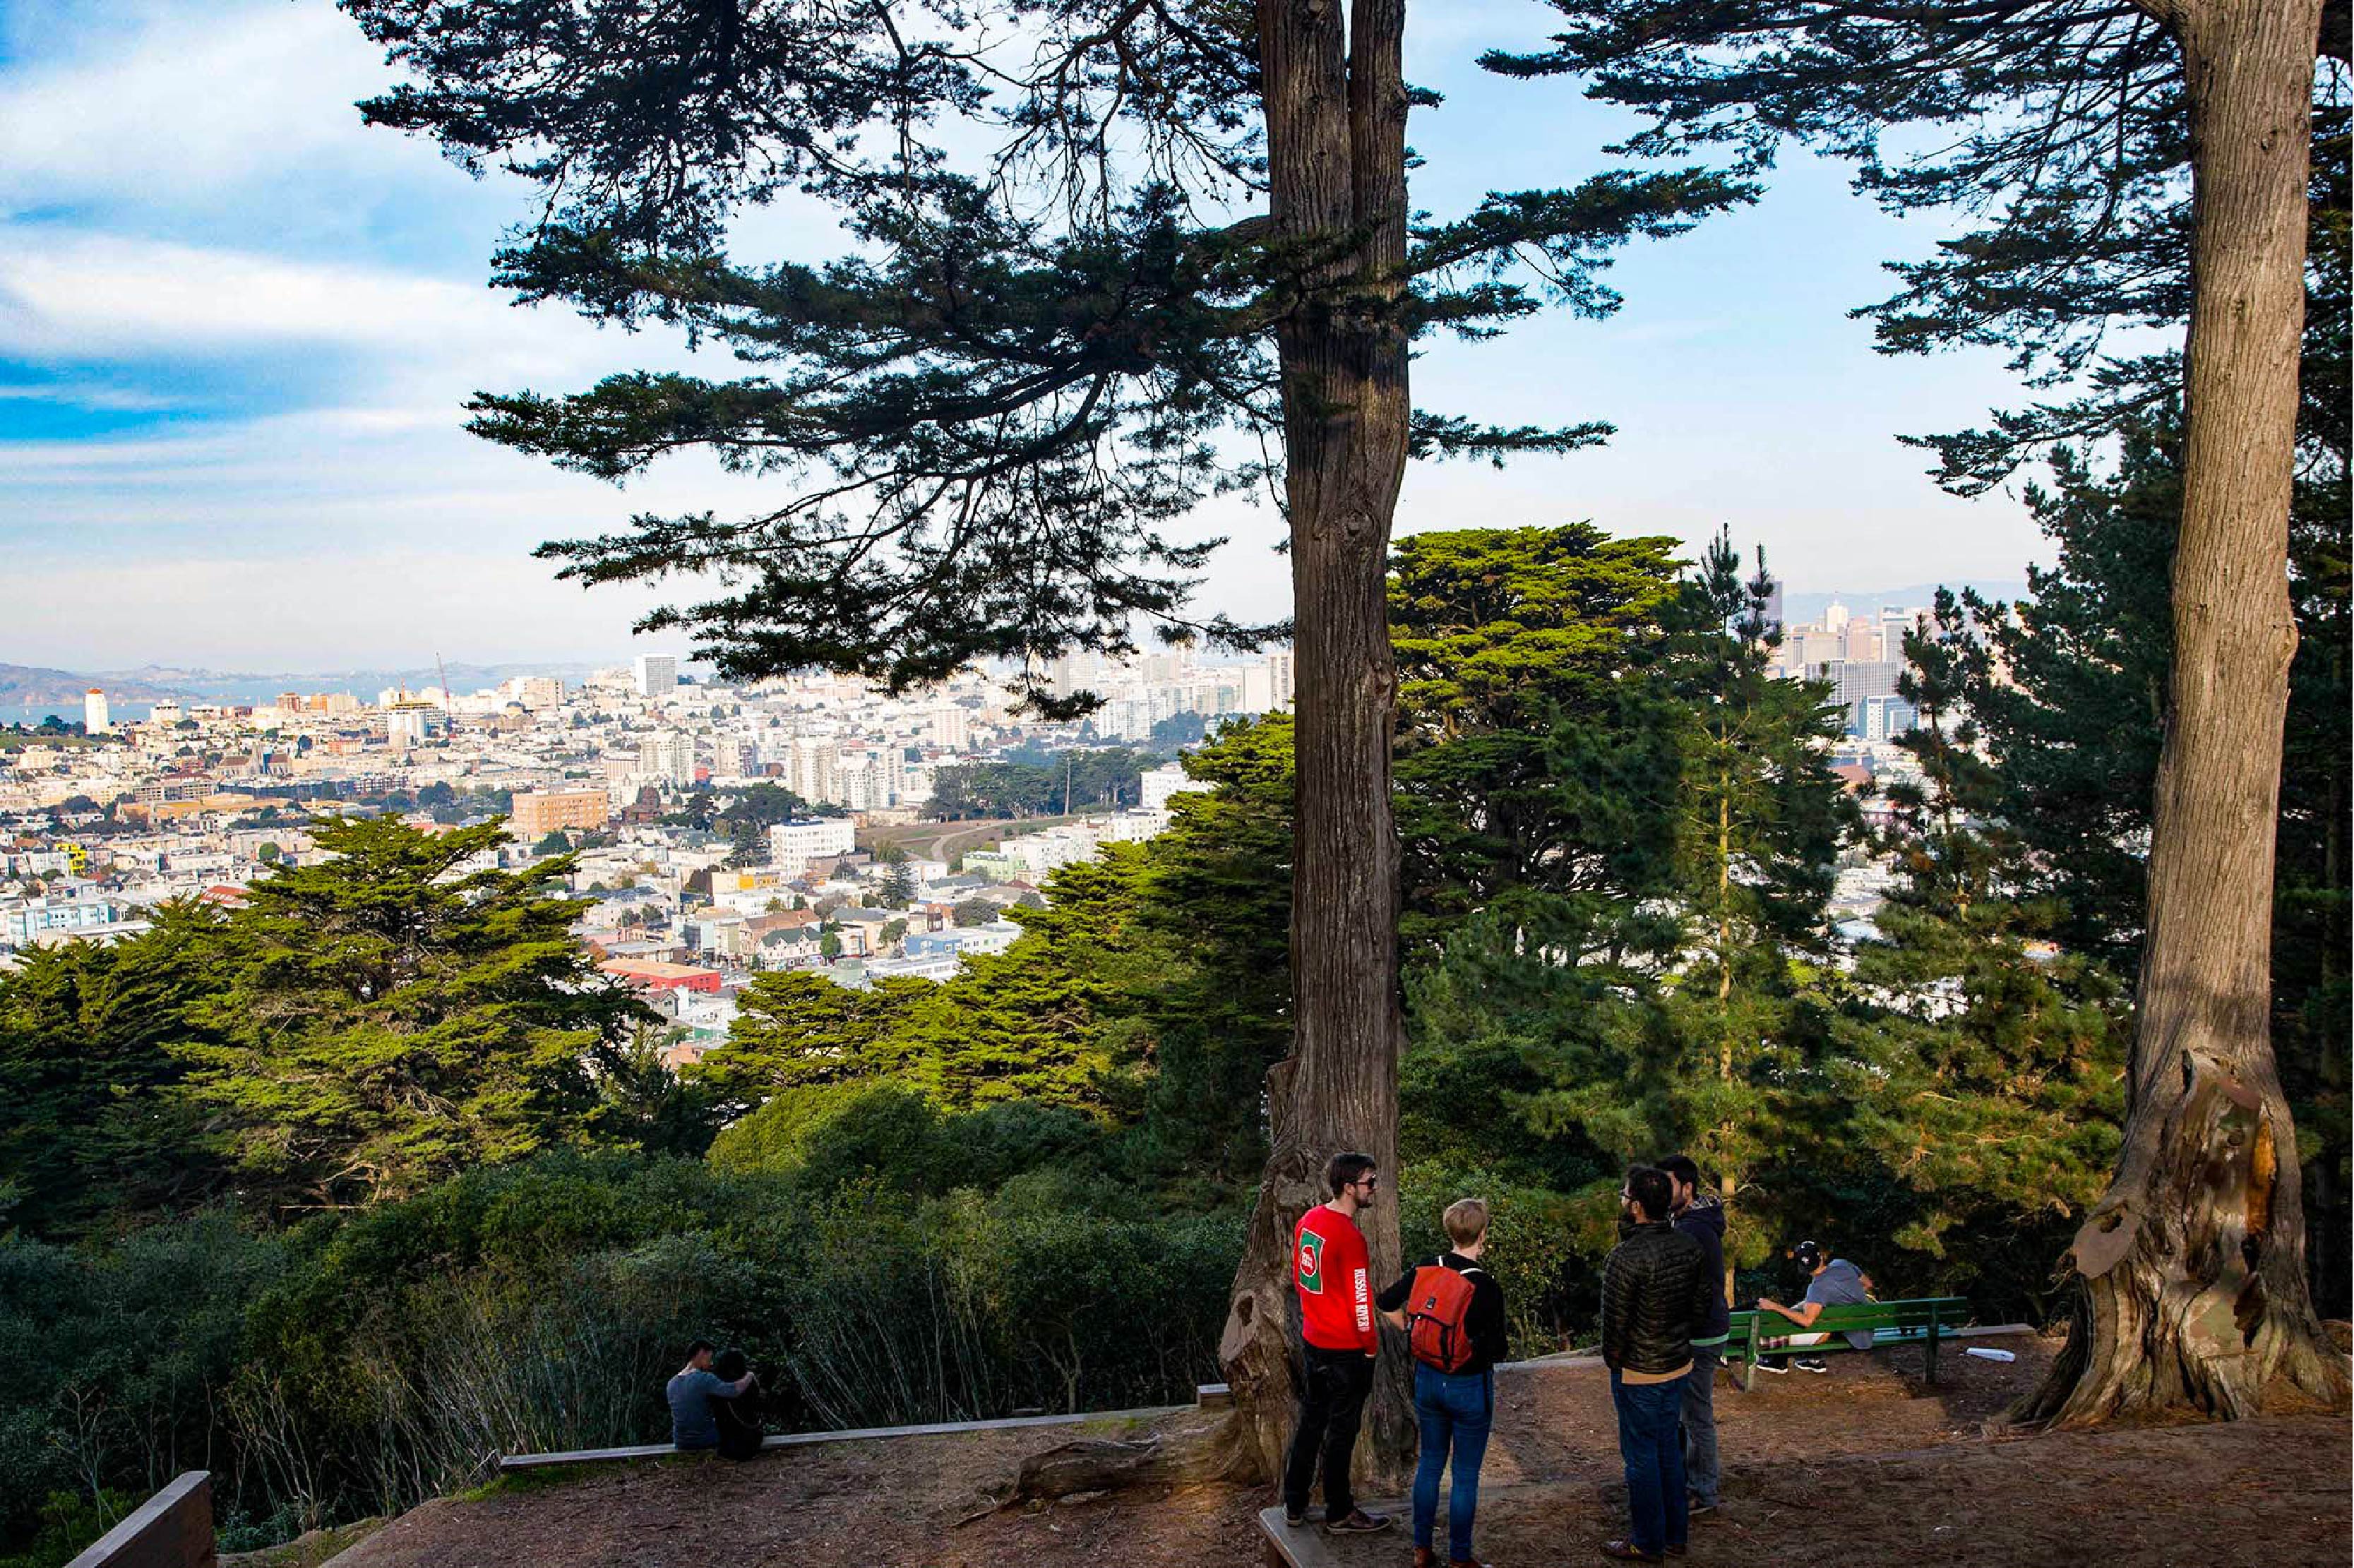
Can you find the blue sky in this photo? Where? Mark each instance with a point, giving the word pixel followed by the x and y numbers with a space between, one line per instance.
pixel 236 328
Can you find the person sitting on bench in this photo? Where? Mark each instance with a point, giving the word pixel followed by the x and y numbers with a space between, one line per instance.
pixel 1832 1282
pixel 690 1392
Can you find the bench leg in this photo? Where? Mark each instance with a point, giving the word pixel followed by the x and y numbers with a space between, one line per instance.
pixel 1932 1348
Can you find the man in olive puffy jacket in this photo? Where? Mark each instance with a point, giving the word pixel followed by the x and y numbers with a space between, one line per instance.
pixel 1656 1293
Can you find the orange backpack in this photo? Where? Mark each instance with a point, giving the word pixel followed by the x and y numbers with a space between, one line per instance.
pixel 1437 1308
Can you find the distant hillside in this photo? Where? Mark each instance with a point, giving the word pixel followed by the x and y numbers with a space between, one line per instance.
pixel 30 685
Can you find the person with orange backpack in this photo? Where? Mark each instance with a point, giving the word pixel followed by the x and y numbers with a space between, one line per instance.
pixel 1453 1312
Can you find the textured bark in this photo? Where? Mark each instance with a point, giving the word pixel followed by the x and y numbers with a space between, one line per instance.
pixel 1336 108
pixel 2190 1271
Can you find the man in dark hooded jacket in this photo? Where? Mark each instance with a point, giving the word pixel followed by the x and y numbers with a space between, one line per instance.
pixel 1699 1215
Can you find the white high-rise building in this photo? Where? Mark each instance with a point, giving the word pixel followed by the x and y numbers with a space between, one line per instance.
pixel 535 693
pixel 657 674
pixel 814 772
pixel 1160 783
pixel 410 724
pixel 669 756
pixel 1279 677
pixel 792 845
pixel 93 713
pixel 952 727
pixel 865 783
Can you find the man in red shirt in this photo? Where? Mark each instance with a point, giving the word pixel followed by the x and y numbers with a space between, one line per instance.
pixel 1336 1321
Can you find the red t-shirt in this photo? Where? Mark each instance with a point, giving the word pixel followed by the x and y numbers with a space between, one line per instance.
pixel 1335 1280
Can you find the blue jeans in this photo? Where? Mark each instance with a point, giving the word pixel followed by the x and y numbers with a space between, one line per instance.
pixel 1650 1440
pixel 1455 1410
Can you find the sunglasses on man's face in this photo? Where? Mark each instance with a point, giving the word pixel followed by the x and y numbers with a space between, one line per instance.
pixel 1368 1181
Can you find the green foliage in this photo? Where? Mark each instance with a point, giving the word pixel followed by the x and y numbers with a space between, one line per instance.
pixel 386 1016
pixel 1536 1251
pixel 1522 762
pixel 1656 982
pixel 794 1028
pixel 911 1267
pixel 1032 782
pixel 69 1521
pixel 1983 1065
pixel 762 806
pixel 2059 134
pixel 92 1128
pixel 115 1365
pixel 1004 396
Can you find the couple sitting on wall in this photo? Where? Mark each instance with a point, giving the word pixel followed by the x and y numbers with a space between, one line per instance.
pixel 714 1402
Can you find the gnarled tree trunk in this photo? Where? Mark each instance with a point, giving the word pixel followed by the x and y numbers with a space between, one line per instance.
pixel 1336 112
pixel 2190 1271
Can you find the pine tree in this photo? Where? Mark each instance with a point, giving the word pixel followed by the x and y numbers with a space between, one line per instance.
pixel 93 1133
pixel 388 1015
pixel 2077 123
pixel 794 1029
pixel 1982 1064
pixel 1718 1060
pixel 1064 304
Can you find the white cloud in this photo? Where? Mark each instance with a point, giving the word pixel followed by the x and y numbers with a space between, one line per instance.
pixel 183 106
pixel 98 294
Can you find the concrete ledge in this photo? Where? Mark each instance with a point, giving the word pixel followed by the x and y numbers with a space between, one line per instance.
pixel 174 1528
pixel 1309 1547
pixel 509 1464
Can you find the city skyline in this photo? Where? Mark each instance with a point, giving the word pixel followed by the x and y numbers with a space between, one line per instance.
pixel 1804 603
pixel 230 388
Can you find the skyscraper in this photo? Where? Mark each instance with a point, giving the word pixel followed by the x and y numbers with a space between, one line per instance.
pixel 93 713
pixel 1279 675
pixel 657 674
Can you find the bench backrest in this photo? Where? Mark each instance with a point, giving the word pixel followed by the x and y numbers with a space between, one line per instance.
pixel 1945 1311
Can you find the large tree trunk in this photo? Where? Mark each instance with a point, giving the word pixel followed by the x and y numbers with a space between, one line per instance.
pixel 1336 158
pixel 2190 1271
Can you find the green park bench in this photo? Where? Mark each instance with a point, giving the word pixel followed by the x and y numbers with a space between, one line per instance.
pixel 1918 1322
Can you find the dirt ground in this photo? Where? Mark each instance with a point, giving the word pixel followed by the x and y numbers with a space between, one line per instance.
pixel 1863 1465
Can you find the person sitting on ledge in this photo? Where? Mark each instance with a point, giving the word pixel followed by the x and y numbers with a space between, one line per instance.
pixel 1831 1282
pixel 739 1419
pixel 691 1424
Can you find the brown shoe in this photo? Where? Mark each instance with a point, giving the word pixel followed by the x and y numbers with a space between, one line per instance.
pixel 1424 1558
pixel 1359 1522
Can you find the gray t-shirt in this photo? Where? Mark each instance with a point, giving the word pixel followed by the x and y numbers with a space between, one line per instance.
pixel 692 1425
pixel 1840 1284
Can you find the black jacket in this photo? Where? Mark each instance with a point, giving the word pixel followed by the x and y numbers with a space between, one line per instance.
pixel 1485 1320
pixel 1705 1223
pixel 1656 1287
